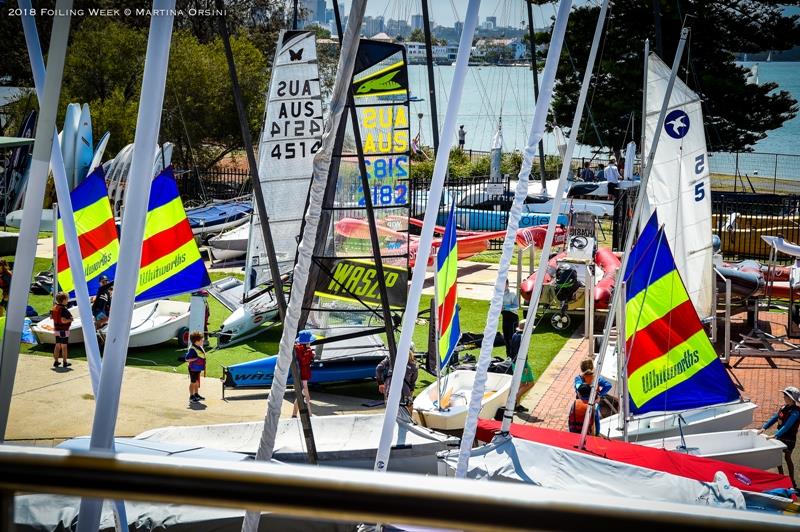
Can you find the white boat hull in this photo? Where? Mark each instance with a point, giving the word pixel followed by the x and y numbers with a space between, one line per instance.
pixel 342 441
pixel 456 391
pixel 205 230
pixel 157 322
pixel 716 418
pixel 45 333
pixel 743 447
pixel 230 245
pixel 246 319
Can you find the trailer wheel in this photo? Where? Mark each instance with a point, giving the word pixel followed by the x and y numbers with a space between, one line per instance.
pixel 560 321
pixel 183 336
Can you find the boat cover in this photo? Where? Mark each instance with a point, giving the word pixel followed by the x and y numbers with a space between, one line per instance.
pixel 55 513
pixel 680 464
pixel 347 440
pixel 218 213
pixel 518 460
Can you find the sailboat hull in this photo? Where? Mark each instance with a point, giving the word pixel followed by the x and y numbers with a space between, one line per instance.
pixel 743 447
pixel 456 390
pixel 717 418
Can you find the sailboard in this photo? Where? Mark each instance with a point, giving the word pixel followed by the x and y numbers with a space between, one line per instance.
pixel 679 186
pixel 346 294
pixel 290 137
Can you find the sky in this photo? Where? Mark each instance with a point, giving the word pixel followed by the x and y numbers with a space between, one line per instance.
pixel 445 12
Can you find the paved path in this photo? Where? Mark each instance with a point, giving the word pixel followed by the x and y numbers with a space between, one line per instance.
pixel 51 405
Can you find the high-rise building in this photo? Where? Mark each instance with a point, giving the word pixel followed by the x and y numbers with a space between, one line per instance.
pixel 491 22
pixel 416 22
pixel 319 12
pixel 459 27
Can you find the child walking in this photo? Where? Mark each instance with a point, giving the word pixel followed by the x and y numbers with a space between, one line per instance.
pixel 305 356
pixel 62 319
pixel 196 357
pixel 788 419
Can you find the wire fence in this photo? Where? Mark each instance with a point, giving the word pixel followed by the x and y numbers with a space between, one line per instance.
pixel 199 186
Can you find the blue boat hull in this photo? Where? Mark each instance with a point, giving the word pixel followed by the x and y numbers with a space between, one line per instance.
pixel 259 373
pixel 482 220
pixel 218 214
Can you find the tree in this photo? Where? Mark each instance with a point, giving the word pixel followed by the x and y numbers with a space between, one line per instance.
pixel 736 114
pixel 416 36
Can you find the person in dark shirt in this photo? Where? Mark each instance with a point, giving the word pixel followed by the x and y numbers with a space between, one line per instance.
pixel 527 373
pixel 383 374
pixel 5 285
pixel 305 356
pixel 788 419
pixel 62 320
pixel 101 306
pixel 196 357
pixel 587 174
pixel 578 410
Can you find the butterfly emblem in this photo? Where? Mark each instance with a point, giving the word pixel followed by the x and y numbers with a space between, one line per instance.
pixel 296 56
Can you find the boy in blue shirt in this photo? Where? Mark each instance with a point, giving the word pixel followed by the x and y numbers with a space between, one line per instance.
pixel 788 419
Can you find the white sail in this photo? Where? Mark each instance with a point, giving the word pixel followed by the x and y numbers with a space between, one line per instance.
pixel 290 137
pixel 679 186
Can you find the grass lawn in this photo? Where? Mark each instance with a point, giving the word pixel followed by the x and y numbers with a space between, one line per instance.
pixel 545 344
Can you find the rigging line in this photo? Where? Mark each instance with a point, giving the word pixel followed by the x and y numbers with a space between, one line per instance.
pixel 608 29
pixel 203 193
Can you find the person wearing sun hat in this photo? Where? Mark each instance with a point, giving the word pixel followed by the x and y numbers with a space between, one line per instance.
pixel 305 356
pixel 788 419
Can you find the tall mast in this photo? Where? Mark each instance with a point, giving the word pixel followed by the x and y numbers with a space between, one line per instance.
pixel 133 224
pixel 426 237
pixel 637 214
pixel 32 209
pixel 294 13
pixel 644 99
pixel 521 192
pixel 532 37
pixel 562 181
pixel 266 231
pixel 318 188
pixel 373 229
pixel 426 25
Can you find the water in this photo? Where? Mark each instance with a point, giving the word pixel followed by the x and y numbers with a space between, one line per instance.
pixel 492 91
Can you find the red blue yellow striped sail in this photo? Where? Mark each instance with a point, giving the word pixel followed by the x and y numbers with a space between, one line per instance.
pixel 171 263
pixel 671 362
pixel 97 234
pixel 449 326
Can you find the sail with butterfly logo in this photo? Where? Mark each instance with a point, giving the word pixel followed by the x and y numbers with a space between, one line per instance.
pixel 289 139
pixel 679 187
pixel 290 136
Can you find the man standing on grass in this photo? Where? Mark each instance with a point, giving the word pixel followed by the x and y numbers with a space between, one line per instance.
pixel 62 320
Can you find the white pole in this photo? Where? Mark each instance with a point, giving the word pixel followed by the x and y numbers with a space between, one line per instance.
pixel 622 372
pixel 32 210
pixel 637 214
pixel 305 250
pixel 133 222
pixel 426 237
pixel 536 132
pixel 644 101
pixel 54 238
pixel 65 206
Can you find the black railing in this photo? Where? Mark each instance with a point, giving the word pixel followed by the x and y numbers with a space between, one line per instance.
pixel 481 204
pixel 200 186
pixel 740 219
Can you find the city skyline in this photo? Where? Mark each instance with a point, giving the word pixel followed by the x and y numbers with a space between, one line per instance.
pixel 508 13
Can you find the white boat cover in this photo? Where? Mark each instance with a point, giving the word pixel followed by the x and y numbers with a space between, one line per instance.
pixel 55 513
pixel 517 460
pixel 344 441
pixel 679 187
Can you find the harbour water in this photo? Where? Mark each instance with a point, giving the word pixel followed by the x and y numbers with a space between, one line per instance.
pixel 492 92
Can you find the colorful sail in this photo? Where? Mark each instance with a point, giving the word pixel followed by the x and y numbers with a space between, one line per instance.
pixel 290 137
pixel 672 365
pixel 447 320
pixel 346 291
pixel 679 186
pixel 97 234
pixel 171 263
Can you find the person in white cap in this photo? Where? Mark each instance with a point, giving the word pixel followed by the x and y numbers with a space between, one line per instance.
pixel 788 419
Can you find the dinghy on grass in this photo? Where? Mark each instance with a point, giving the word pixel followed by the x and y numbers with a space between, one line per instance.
pixel 230 245
pixel 217 217
pixel 158 322
pixel 450 411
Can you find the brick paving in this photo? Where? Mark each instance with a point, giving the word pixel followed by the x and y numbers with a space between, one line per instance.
pixel 761 379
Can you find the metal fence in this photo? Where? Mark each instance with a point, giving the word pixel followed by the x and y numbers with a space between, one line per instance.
pixel 740 219
pixel 482 205
pixel 199 186
pixel 761 173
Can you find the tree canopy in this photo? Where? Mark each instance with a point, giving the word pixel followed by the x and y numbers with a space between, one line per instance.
pixel 105 61
pixel 736 114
